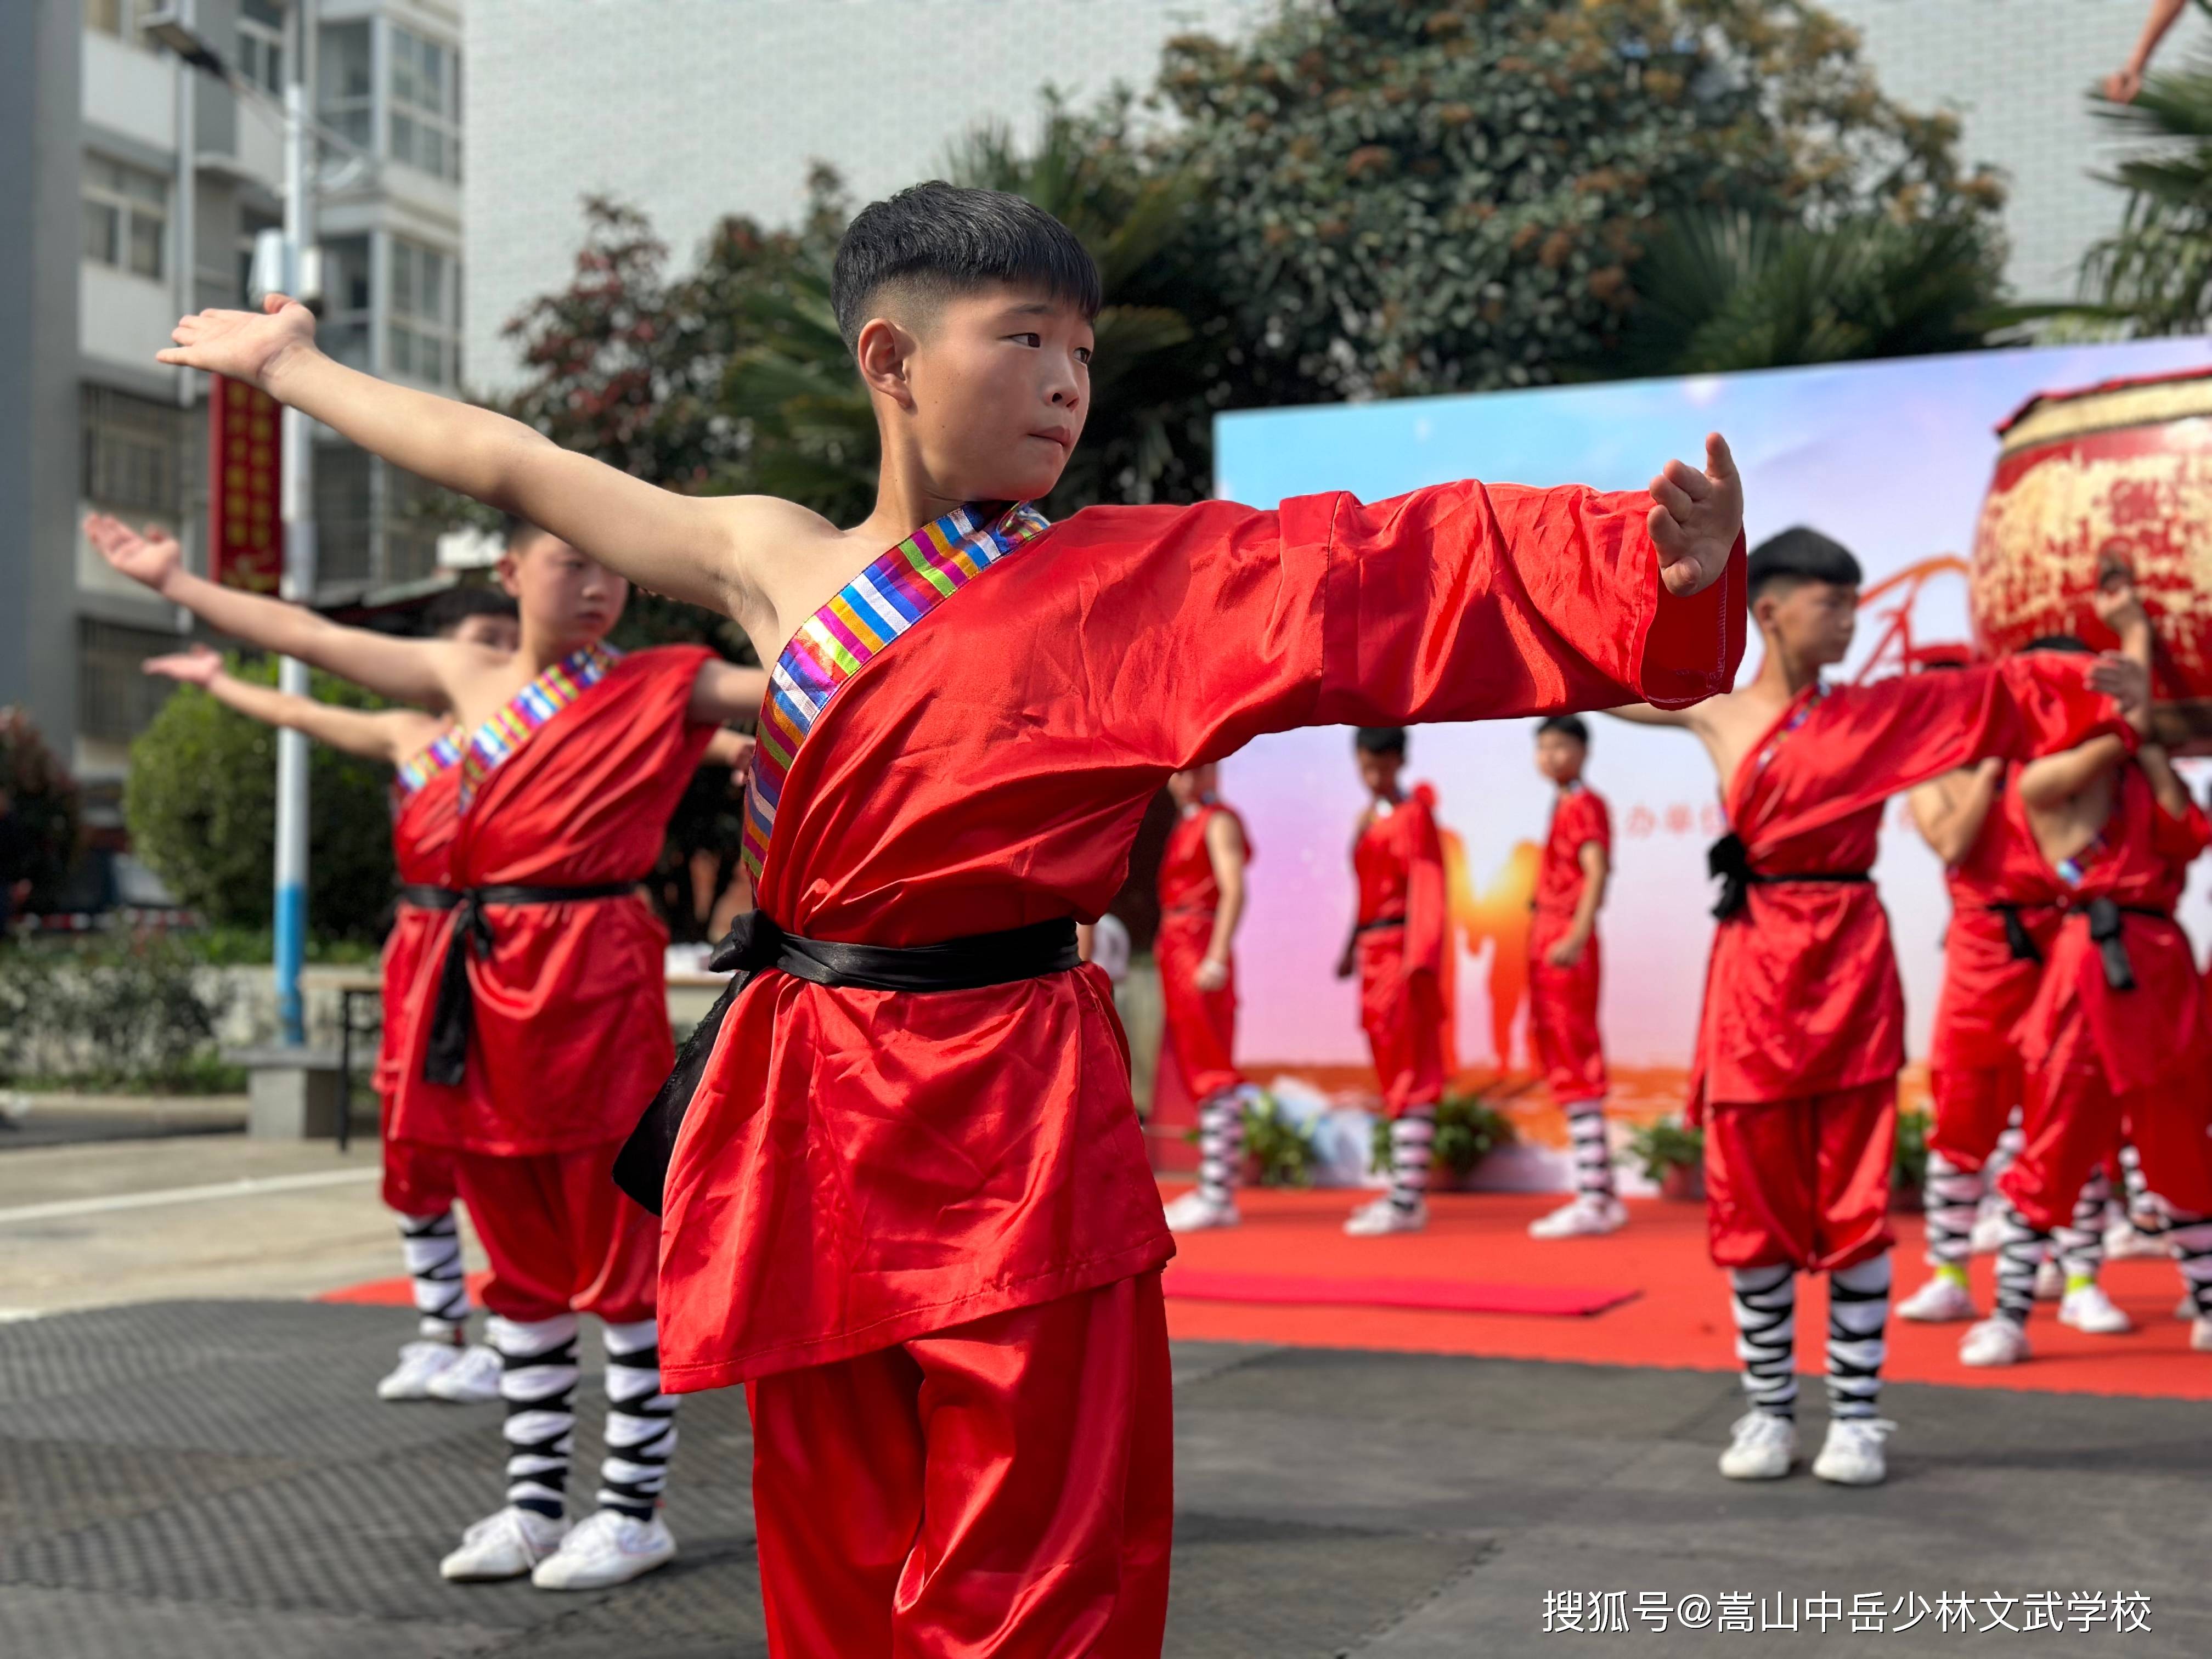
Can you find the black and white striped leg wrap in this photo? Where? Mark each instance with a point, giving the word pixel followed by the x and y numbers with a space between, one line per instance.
pixel 640 1422
pixel 2010 1145
pixel 2134 1188
pixel 1764 1302
pixel 1221 1145
pixel 2189 1238
pixel 2020 1251
pixel 431 1246
pixel 1593 1158
pixel 1954 1195
pixel 2081 1244
pixel 1412 1141
pixel 1858 1321
pixel 538 1383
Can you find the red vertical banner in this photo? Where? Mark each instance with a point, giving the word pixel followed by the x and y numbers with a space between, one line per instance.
pixel 246 533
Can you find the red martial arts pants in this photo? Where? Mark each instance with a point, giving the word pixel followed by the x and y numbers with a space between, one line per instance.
pixel 2073 1122
pixel 1563 1015
pixel 1199 1034
pixel 418 1178
pixel 1404 1017
pixel 1972 1106
pixel 1004 1488
pixel 1802 1181
pixel 562 1237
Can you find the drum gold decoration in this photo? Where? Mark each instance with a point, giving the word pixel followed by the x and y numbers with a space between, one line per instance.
pixel 2123 468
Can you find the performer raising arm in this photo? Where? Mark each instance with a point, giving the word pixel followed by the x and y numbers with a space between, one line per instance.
pixel 909 1204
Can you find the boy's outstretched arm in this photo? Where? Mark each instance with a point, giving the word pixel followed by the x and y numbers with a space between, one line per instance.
pixel 390 735
pixel 406 670
pixel 1696 518
pixel 727 695
pixel 686 547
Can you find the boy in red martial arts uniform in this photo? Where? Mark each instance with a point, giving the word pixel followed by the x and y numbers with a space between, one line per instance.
pixel 537 1016
pixel 1399 937
pixel 906 1195
pixel 1563 976
pixel 1803 1033
pixel 2114 1044
pixel 418 1179
pixel 1201 888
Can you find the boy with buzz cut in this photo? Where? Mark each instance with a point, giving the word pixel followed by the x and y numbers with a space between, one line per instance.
pixel 906 1197
pixel 1803 1031
pixel 1563 976
pixel 536 1018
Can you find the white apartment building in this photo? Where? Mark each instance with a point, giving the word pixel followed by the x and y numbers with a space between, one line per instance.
pixel 131 188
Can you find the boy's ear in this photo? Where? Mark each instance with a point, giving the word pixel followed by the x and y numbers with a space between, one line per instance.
pixel 883 350
pixel 507 581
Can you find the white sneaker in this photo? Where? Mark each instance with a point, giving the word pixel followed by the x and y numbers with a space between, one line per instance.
pixel 2124 1242
pixel 2090 1311
pixel 1194 1212
pixel 503 1545
pixel 420 1363
pixel 1589 1215
pixel 1994 1341
pixel 1852 1453
pixel 2050 1281
pixel 1942 1301
pixel 2200 1335
pixel 1381 1216
pixel 609 1549
pixel 2186 1308
pixel 1989 1233
pixel 1763 1448
pixel 471 1379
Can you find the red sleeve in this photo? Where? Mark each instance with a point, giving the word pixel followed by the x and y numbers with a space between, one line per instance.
pixel 1593 822
pixel 2178 840
pixel 1427 911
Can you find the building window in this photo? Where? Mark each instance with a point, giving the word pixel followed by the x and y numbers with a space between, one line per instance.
pixel 133 452
pixel 426 105
pixel 426 313
pixel 126 217
pixel 347 297
pixel 345 88
pixel 345 514
pixel 121 18
pixel 261 44
pixel 116 699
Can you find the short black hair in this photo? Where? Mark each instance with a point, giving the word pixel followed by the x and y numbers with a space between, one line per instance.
pixel 514 531
pixel 1381 740
pixel 2065 643
pixel 1567 726
pixel 457 605
pixel 945 239
pixel 1798 555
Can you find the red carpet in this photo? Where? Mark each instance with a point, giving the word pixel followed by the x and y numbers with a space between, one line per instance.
pixel 1436 1295
pixel 394 1292
pixel 1679 1315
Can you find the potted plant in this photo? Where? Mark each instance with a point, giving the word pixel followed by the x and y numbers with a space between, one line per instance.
pixel 1908 1178
pixel 1468 1129
pixel 1674 1157
pixel 1278 1152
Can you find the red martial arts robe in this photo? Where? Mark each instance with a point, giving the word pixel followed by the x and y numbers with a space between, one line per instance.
pixel 880 1199
pixel 1563 1002
pixel 1401 945
pixel 418 1178
pixel 571 1034
pixel 2106 1064
pixel 1199 1038
pixel 2003 895
pixel 1803 1030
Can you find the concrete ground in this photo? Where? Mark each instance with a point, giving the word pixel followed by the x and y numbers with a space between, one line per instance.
pixel 192 1463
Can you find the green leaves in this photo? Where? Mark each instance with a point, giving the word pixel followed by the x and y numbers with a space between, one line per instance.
pixel 2156 272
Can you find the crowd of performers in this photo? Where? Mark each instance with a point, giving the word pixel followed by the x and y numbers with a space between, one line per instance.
pixel 895 1184
pixel 2071 1014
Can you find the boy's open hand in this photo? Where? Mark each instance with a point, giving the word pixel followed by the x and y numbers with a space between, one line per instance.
pixel 151 558
pixel 245 345
pixel 2117 604
pixel 198 665
pixel 2123 679
pixel 1698 518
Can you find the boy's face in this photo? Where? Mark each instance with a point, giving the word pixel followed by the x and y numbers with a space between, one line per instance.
pixel 563 595
pixel 1559 757
pixel 494 633
pixel 1814 621
pixel 1000 387
pixel 1379 771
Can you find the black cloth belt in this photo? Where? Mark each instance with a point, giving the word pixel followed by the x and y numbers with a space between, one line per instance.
pixel 2018 939
pixel 755 946
pixel 452 1016
pixel 2108 930
pixel 1730 861
pixel 425 897
pixel 1380 921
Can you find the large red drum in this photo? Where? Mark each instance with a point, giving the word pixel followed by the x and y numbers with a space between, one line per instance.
pixel 2122 468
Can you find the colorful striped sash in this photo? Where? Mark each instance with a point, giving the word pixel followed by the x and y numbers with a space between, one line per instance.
pixel 494 743
pixel 420 768
pixel 898 590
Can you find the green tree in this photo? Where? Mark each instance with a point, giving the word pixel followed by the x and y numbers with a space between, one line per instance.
pixel 201 804
pixel 2156 272
pixel 46 801
pixel 1407 198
